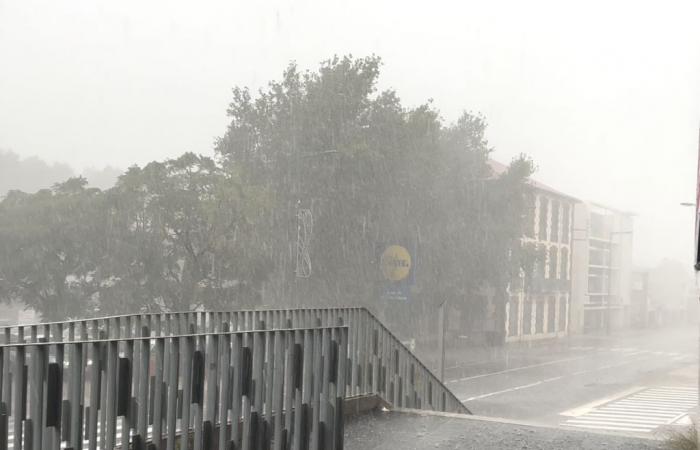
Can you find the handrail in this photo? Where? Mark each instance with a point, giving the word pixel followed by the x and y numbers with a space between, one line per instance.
pixel 458 406
pixel 380 365
pixel 262 389
pixel 134 339
pixel 155 313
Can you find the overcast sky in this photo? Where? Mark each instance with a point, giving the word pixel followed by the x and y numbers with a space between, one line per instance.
pixel 604 95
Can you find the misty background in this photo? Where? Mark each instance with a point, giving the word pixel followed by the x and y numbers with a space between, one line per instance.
pixel 605 98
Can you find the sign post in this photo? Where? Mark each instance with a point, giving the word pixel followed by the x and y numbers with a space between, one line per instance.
pixel 441 339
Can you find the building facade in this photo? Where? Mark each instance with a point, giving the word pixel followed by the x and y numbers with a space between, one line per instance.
pixel 539 301
pixel 581 277
pixel 601 282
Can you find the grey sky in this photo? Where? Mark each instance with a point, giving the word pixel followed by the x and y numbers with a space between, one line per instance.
pixel 604 95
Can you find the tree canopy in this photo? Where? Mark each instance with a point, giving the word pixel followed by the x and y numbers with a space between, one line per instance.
pixel 314 174
pixel 373 172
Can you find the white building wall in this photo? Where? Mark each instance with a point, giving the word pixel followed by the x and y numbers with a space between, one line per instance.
pixel 618 236
pixel 545 314
pixel 579 266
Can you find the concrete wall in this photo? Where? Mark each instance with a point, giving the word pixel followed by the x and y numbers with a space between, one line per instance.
pixel 579 267
pixel 610 272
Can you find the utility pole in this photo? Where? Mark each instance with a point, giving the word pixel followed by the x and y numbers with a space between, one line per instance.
pixel 441 338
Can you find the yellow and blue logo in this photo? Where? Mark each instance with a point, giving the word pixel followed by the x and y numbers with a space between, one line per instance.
pixel 395 263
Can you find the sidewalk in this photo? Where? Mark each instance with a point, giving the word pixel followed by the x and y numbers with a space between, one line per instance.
pixel 409 431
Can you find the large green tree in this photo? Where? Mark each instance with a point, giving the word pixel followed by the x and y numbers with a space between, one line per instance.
pixel 173 235
pixel 182 236
pixel 373 171
pixel 49 244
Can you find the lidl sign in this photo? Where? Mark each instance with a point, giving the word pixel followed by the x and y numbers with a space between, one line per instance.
pixel 395 263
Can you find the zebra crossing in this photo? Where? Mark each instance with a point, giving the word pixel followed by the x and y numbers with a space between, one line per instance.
pixel 640 412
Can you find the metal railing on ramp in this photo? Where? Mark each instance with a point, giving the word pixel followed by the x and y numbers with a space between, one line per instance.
pixel 268 389
pixel 377 362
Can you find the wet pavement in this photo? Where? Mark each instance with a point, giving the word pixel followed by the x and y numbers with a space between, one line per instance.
pixel 555 382
pixel 409 431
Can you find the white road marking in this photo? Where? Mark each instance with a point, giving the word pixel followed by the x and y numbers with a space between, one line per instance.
pixel 514 369
pixel 516 388
pixel 629 351
pixel 641 412
pixel 580 410
pixel 548 380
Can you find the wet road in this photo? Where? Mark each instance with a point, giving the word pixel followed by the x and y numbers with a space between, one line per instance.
pixel 568 382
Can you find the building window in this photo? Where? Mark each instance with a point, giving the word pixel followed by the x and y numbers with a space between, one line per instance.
pixel 539 324
pixel 527 316
pixel 600 226
pixel 554 233
pixel 529 227
pixel 565 224
pixel 513 313
pixel 543 211
pixel 562 312
pixel 543 262
pixel 595 283
pixel 551 315
pixel 597 257
pixel 565 263
pixel 553 263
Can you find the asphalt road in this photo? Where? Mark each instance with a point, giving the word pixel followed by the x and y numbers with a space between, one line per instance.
pixel 629 381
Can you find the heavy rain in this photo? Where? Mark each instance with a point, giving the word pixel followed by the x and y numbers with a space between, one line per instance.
pixel 369 225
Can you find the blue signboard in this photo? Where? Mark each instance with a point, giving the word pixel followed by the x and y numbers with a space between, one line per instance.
pixel 396 292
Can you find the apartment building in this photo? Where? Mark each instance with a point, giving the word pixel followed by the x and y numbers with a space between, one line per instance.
pixel 601 283
pixel 539 302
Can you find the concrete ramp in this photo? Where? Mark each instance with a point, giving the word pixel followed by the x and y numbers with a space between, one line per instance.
pixel 417 430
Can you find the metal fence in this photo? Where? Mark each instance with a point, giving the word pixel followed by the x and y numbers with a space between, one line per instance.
pixel 269 389
pixel 379 363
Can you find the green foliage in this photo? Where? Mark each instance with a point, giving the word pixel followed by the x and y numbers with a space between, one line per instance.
pixel 182 236
pixel 222 233
pixel 48 247
pixel 373 172
pixel 174 235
